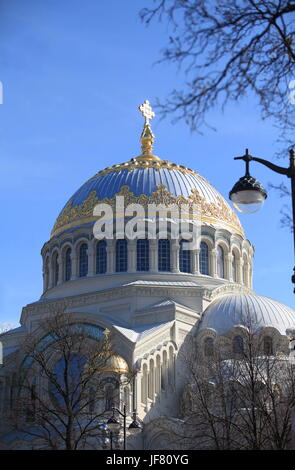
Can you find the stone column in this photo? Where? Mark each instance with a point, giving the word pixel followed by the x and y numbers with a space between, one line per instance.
pixel 91 260
pixel 246 275
pixel 239 271
pixel 153 256
pixel 131 248
pixel 195 261
pixel 250 276
pixel 228 266
pixel 60 269
pixel 175 247
pixel 74 265
pixel 111 247
pixel 136 392
pixel 213 259
pixel 243 281
pixel 50 274
pixel 44 278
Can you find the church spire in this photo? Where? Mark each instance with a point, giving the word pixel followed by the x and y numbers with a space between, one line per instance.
pixel 147 136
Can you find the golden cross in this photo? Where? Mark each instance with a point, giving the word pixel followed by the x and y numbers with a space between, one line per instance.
pixel 146 111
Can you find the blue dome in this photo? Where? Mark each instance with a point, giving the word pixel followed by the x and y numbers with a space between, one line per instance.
pixel 145 178
pixel 145 181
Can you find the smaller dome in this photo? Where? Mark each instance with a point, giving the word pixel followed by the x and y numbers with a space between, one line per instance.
pixel 232 310
pixel 115 364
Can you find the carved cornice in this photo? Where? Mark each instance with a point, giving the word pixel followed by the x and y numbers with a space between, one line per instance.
pixel 135 163
pixel 153 346
pixel 226 289
pixel 121 292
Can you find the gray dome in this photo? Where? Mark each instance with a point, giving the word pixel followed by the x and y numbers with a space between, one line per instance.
pixel 231 310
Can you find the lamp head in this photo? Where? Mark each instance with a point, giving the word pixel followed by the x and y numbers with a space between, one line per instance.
pixel 248 195
pixel 134 427
pixel 113 424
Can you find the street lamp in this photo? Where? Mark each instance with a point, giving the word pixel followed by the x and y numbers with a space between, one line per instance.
pixel 114 425
pixel 248 195
pixel 134 427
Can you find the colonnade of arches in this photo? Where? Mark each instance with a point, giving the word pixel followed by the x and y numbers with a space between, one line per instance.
pixel 157 376
pixel 86 258
pixel 238 346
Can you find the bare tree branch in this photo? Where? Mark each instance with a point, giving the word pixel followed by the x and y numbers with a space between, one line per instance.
pixel 229 48
pixel 59 395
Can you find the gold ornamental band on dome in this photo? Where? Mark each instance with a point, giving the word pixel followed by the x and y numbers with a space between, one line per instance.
pixel 136 163
pixel 218 212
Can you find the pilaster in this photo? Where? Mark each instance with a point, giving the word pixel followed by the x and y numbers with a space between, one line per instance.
pixel 175 256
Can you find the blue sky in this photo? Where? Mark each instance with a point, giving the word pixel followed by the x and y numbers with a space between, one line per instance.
pixel 74 74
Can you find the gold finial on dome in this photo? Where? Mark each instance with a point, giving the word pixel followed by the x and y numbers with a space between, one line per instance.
pixel 147 136
pixel 106 332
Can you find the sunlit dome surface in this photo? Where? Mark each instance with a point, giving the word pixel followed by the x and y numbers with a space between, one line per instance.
pixel 147 178
pixel 253 310
pixel 115 364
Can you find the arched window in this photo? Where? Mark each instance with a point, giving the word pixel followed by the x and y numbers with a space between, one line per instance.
pixel 204 258
pixel 209 347
pixel 267 345
pixel 67 374
pixel 164 254
pixel 121 256
pixel 234 268
pixel 46 273
pixel 55 269
pixel 220 261
pixel 184 257
pixel 238 345
pixel 109 398
pixel 101 257
pixel 68 264
pixel 143 255
pixel 83 260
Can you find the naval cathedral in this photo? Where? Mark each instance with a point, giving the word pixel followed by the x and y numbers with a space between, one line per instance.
pixel 152 295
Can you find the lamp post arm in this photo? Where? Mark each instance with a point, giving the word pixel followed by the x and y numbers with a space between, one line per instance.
pixel 289 172
pixel 120 412
pixel 278 169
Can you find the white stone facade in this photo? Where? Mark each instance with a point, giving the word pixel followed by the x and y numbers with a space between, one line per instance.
pixel 151 315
